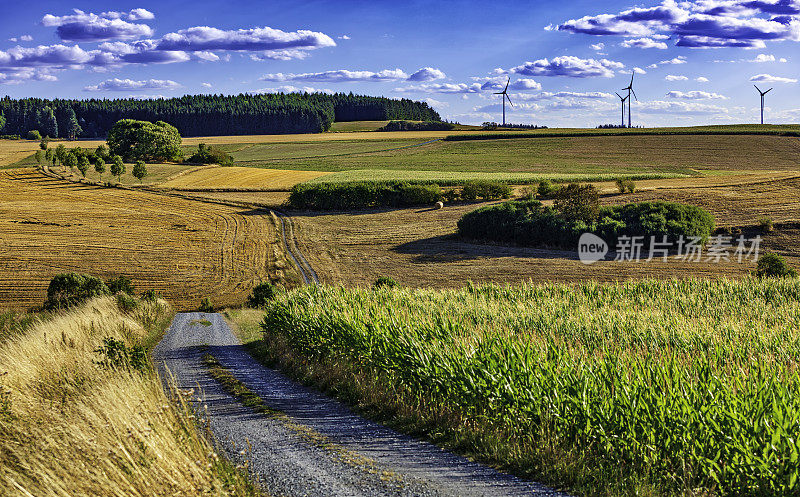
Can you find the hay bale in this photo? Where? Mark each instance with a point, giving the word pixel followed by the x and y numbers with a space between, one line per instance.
pixel 438 205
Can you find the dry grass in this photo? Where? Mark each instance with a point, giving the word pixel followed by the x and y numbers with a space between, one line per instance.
pixel 244 178
pixel 184 249
pixel 71 427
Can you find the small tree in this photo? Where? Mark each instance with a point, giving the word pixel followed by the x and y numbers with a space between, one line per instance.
pixel 100 167
pixel 49 156
pixel 83 164
pixel 578 202
pixel 43 144
pixel 102 152
pixel 60 154
pixel 69 161
pixel 117 167
pixel 39 156
pixel 139 170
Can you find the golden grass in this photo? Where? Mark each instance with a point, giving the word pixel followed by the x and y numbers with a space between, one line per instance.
pixel 71 427
pixel 184 249
pixel 245 178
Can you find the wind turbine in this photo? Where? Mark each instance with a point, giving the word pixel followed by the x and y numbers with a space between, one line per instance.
pixel 622 100
pixel 762 93
pixel 504 97
pixel 630 90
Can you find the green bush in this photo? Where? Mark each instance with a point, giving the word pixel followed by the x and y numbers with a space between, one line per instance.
pixel 69 289
pixel 625 185
pixel 578 202
pixel 210 155
pixel 34 135
pixel 263 293
pixel 529 222
pixel 363 194
pixel 150 295
pixel 114 354
pixel 766 224
pixel 126 302
pixel 546 188
pixel 485 190
pixel 206 306
pixel 385 282
pixel 774 266
pixel 120 284
pixel 417 126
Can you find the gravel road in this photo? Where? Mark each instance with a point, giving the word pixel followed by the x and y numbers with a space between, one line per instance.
pixel 283 460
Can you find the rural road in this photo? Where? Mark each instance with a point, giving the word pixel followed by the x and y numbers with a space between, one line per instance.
pixel 359 457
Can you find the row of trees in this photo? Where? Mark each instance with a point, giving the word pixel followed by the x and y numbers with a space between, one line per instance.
pixel 203 115
pixel 78 158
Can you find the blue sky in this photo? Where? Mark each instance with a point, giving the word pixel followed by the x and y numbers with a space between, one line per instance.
pixel 696 62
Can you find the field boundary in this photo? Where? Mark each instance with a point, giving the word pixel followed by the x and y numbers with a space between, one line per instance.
pixel 488 136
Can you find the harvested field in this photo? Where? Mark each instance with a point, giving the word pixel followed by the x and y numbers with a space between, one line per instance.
pixel 267 199
pixel 183 249
pixel 245 178
pixel 417 247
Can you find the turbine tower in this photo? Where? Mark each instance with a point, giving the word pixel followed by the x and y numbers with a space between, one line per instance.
pixel 762 93
pixel 622 101
pixel 630 90
pixel 504 97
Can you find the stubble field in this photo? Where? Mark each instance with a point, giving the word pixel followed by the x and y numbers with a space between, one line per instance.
pixel 183 249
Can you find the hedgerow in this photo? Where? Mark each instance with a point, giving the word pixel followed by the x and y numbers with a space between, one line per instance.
pixel 359 195
pixel 529 222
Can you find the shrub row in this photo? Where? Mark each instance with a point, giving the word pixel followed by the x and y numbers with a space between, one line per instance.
pixel 417 126
pixel 529 222
pixel 358 195
pixel 210 155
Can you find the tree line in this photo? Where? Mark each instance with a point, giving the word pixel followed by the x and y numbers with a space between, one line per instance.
pixel 204 115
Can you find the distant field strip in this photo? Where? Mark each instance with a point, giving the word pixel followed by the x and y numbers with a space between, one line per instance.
pixel 184 249
pixel 343 154
pixel 244 178
pixel 448 178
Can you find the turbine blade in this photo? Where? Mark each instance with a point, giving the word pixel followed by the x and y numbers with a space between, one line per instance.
pixel 767 91
pixel 757 88
pixel 498 93
pixel 507 83
pixel 509 100
pixel 632 73
pixel 617 94
pixel 634 95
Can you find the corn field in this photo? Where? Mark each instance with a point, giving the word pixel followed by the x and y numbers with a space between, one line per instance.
pixel 693 382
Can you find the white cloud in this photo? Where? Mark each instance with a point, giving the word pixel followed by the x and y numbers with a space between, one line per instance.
pixel 702 79
pixel 498 83
pixel 206 85
pixel 82 26
pixel 441 88
pixel 672 77
pixel 427 74
pixel 681 59
pixel 343 37
pixel 338 76
pixel 117 84
pixel 763 58
pixel 293 89
pixel 768 78
pixel 597 46
pixel 570 66
pixel 436 103
pixel 696 95
pixel 644 43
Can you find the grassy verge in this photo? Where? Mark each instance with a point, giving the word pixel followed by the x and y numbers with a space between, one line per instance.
pixel 640 388
pixel 78 421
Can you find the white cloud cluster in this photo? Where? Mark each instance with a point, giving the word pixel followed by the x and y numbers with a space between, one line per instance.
pixel 673 77
pixel 82 26
pixel 117 84
pixel 699 23
pixel 570 66
pixel 644 43
pixel 696 95
pixel 769 78
pixel 345 75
